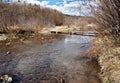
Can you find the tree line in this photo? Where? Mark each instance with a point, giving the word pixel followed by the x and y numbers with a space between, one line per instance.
pixel 28 16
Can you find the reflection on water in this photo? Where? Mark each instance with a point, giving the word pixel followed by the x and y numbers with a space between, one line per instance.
pixel 50 59
pixel 78 39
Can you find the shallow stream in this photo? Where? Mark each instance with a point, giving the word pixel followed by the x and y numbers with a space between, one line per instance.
pixel 49 59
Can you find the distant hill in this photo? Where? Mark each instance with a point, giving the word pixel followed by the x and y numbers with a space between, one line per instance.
pixel 28 16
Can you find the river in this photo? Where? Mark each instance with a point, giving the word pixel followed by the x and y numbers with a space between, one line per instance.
pixel 49 59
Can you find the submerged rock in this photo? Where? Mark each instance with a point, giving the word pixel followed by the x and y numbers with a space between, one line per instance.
pixel 8 52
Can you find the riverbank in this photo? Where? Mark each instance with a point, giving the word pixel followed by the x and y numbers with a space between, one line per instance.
pixel 86 30
pixel 109 60
pixel 4 37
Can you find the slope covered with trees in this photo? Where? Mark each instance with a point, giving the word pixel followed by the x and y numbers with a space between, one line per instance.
pixel 29 17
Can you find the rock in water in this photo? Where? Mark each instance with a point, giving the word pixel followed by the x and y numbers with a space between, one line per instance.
pixel 9 80
pixel 5 79
pixel 8 52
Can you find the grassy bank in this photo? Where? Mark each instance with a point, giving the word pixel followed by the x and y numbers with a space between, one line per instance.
pixel 109 59
pixel 108 21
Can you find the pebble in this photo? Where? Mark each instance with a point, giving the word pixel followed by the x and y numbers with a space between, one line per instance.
pixel 6 79
pixel 8 52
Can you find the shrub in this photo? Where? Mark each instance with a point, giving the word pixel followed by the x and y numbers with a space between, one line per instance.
pixel 108 18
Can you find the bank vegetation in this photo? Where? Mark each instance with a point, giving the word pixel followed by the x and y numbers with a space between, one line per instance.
pixel 107 45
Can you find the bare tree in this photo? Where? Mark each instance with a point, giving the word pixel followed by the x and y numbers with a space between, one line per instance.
pixel 108 18
pixel 86 7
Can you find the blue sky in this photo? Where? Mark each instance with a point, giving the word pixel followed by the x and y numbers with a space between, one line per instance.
pixel 53 2
pixel 70 7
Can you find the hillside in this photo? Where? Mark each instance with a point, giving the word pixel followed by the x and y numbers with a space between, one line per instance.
pixel 28 17
pixel 17 17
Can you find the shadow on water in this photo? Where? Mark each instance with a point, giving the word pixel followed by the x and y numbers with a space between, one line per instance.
pixel 49 59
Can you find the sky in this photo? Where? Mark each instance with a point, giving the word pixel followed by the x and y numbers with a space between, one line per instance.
pixel 70 7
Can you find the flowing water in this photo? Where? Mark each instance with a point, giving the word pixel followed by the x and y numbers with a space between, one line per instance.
pixel 49 59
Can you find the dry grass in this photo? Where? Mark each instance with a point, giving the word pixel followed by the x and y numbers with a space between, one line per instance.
pixel 109 59
pixel 108 20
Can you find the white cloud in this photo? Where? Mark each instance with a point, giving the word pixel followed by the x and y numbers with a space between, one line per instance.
pixel 33 2
pixel 44 3
pixel 64 1
pixel 59 3
pixel 73 8
pixel 78 8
